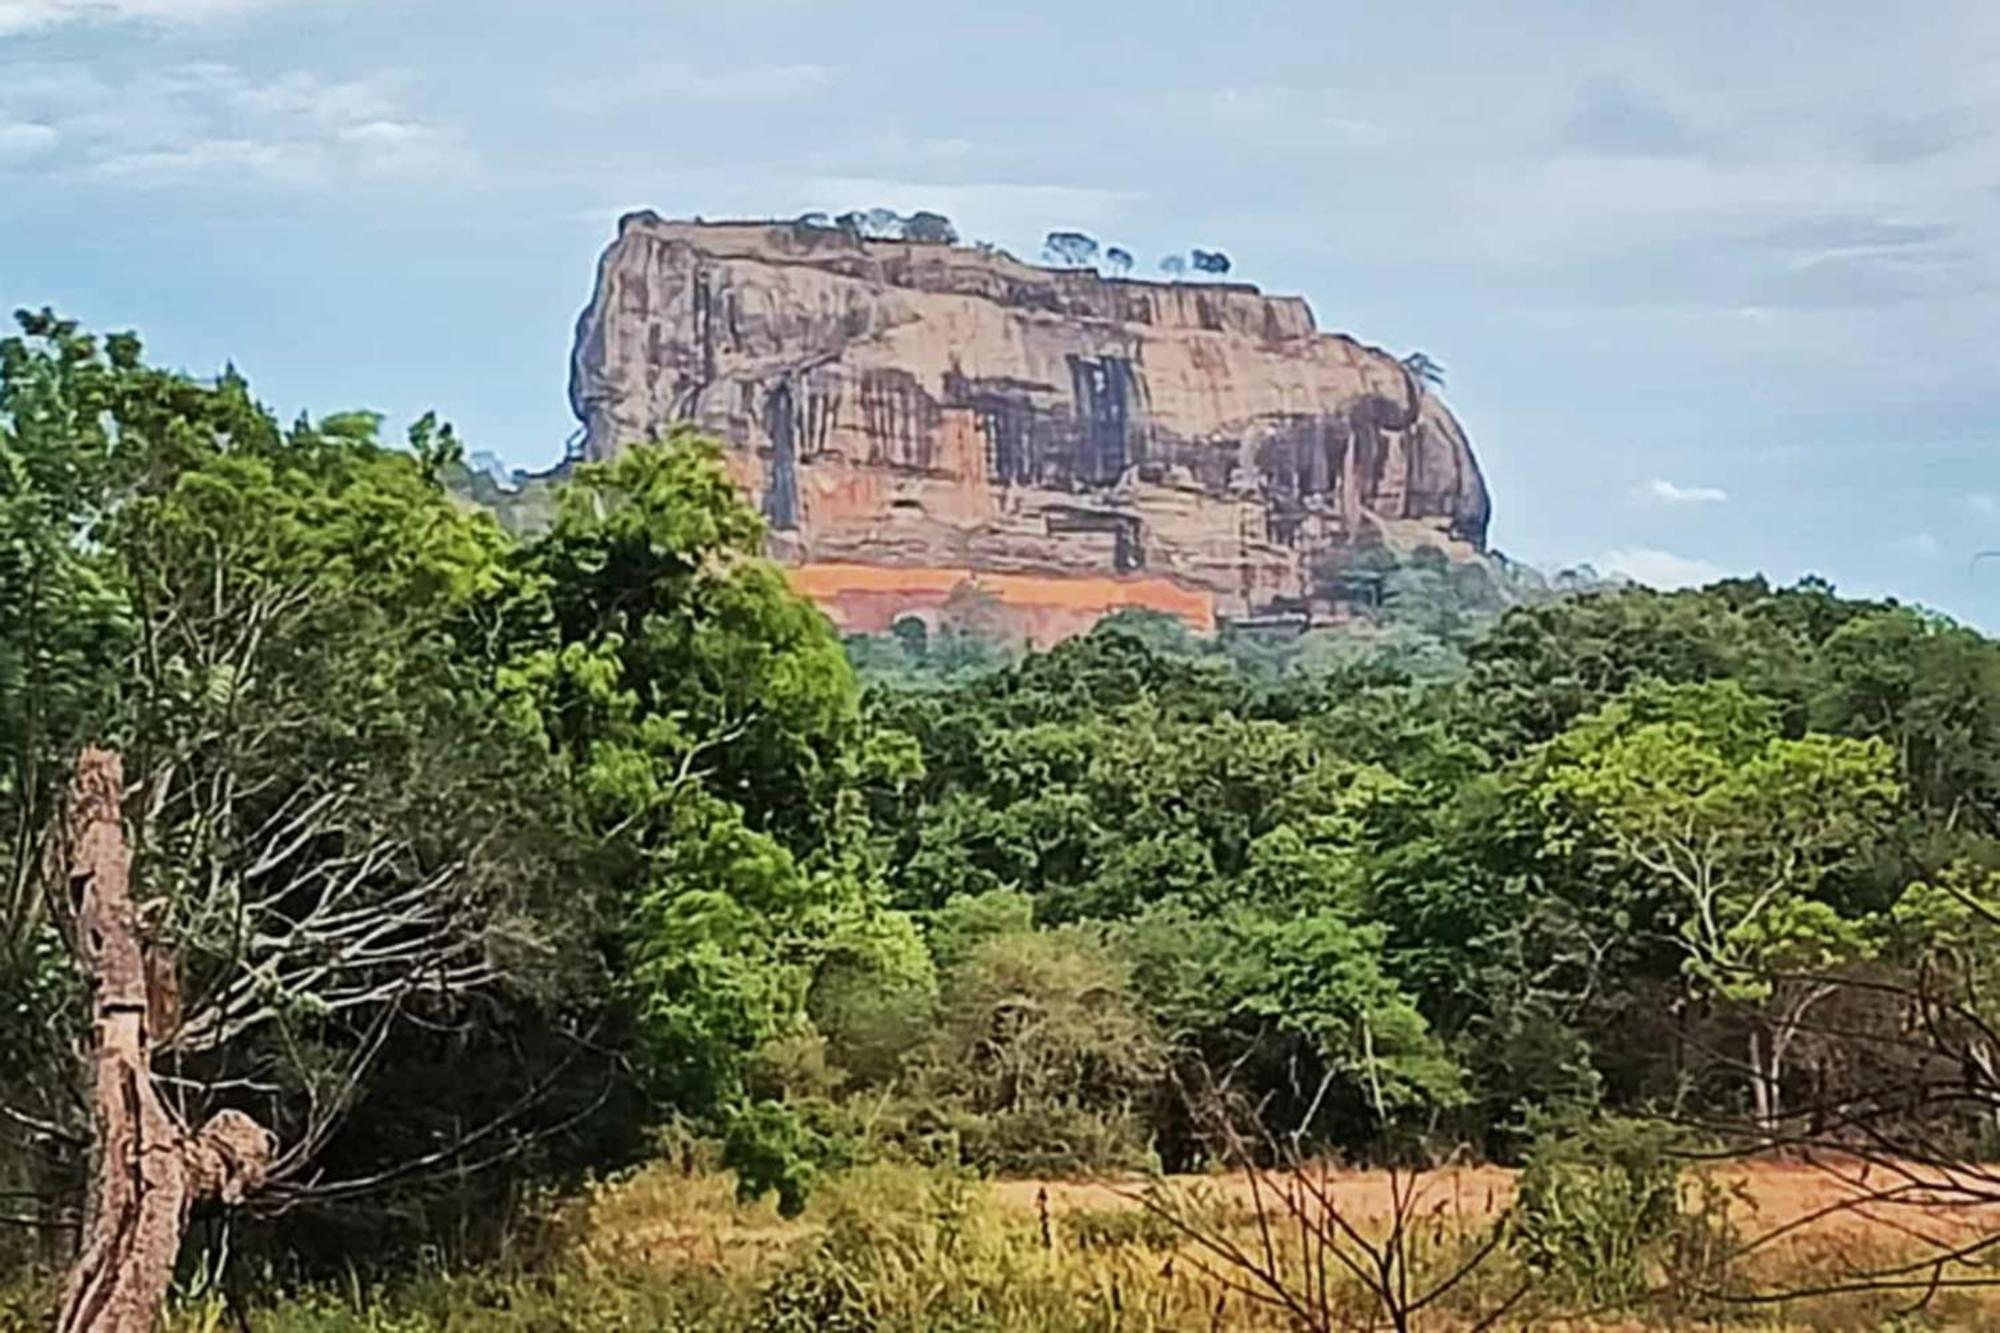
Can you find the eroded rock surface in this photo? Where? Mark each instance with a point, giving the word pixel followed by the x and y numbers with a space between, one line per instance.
pixel 1065 442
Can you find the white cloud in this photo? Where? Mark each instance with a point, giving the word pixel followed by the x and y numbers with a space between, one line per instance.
pixel 27 15
pixel 1659 569
pixel 1282 115
pixel 209 122
pixel 1669 493
pixel 1922 545
pixel 708 85
pixel 165 166
pixel 25 138
pixel 1983 504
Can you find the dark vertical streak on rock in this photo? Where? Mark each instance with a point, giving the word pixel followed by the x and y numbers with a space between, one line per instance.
pixel 781 501
pixel 704 324
pixel 900 420
pixel 1102 385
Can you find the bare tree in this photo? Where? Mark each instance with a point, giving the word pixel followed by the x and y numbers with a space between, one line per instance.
pixel 1325 1267
pixel 1309 1257
pixel 1899 1137
pixel 1427 373
pixel 151 1168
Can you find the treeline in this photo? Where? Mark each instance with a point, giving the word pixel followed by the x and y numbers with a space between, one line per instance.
pixel 473 861
pixel 1609 863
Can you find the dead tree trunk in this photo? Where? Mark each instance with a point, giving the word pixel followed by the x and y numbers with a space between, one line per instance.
pixel 150 1169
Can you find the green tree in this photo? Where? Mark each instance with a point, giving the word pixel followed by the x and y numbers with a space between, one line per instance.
pixel 1931 691
pixel 1746 833
pixel 1045 1052
pixel 710 723
pixel 1947 932
pixel 336 846
pixel 1291 1014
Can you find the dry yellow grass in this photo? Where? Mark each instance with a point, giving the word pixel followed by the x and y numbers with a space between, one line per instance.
pixel 665 1222
pixel 904 1250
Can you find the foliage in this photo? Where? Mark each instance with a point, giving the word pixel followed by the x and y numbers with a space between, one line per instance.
pixel 708 722
pixel 884 224
pixel 329 841
pixel 481 850
pixel 1042 1059
pixel 1299 1004
pixel 1069 249
pixel 1602 1212
pixel 1748 831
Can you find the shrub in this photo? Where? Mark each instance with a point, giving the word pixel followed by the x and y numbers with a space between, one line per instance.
pixel 774 1148
pixel 903 1249
pixel 1042 1061
pixel 1601 1213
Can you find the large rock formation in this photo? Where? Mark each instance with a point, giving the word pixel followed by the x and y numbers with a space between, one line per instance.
pixel 924 423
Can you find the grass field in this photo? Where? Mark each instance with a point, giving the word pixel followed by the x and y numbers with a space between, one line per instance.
pixel 896 1248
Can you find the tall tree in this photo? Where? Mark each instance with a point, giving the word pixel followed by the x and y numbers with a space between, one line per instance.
pixel 333 854
pixel 1746 834
pixel 710 722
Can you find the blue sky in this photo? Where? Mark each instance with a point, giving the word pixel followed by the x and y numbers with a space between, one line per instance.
pixel 1714 282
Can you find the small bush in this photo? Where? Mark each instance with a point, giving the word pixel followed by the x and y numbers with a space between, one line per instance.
pixel 774 1149
pixel 1601 1213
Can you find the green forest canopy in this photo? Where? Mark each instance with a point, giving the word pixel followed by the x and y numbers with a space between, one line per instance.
pixel 671 863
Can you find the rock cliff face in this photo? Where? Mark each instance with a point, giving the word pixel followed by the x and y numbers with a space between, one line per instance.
pixel 926 426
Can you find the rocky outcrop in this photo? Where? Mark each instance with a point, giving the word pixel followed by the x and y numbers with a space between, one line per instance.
pixel 1061 442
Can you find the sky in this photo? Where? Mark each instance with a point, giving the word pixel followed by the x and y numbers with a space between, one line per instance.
pixel 1713 280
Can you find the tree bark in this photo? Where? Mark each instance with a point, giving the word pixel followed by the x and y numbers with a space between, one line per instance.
pixel 150 1169
pixel 1763 1085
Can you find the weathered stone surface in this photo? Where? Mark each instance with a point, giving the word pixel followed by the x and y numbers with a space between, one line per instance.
pixel 1068 443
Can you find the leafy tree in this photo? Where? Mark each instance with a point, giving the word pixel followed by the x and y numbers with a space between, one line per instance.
pixel 1946 930
pixel 1293 1014
pixel 872 995
pixel 882 224
pixel 336 852
pixel 661 654
pixel 1174 266
pixel 1544 665
pixel 1118 260
pixel 929 229
pixel 1041 1041
pixel 66 624
pixel 1745 832
pixel 1209 261
pixel 1931 691
pixel 1069 249
pixel 956 930
pixel 710 724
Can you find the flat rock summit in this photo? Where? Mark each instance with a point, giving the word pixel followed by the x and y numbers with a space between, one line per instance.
pixel 925 425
